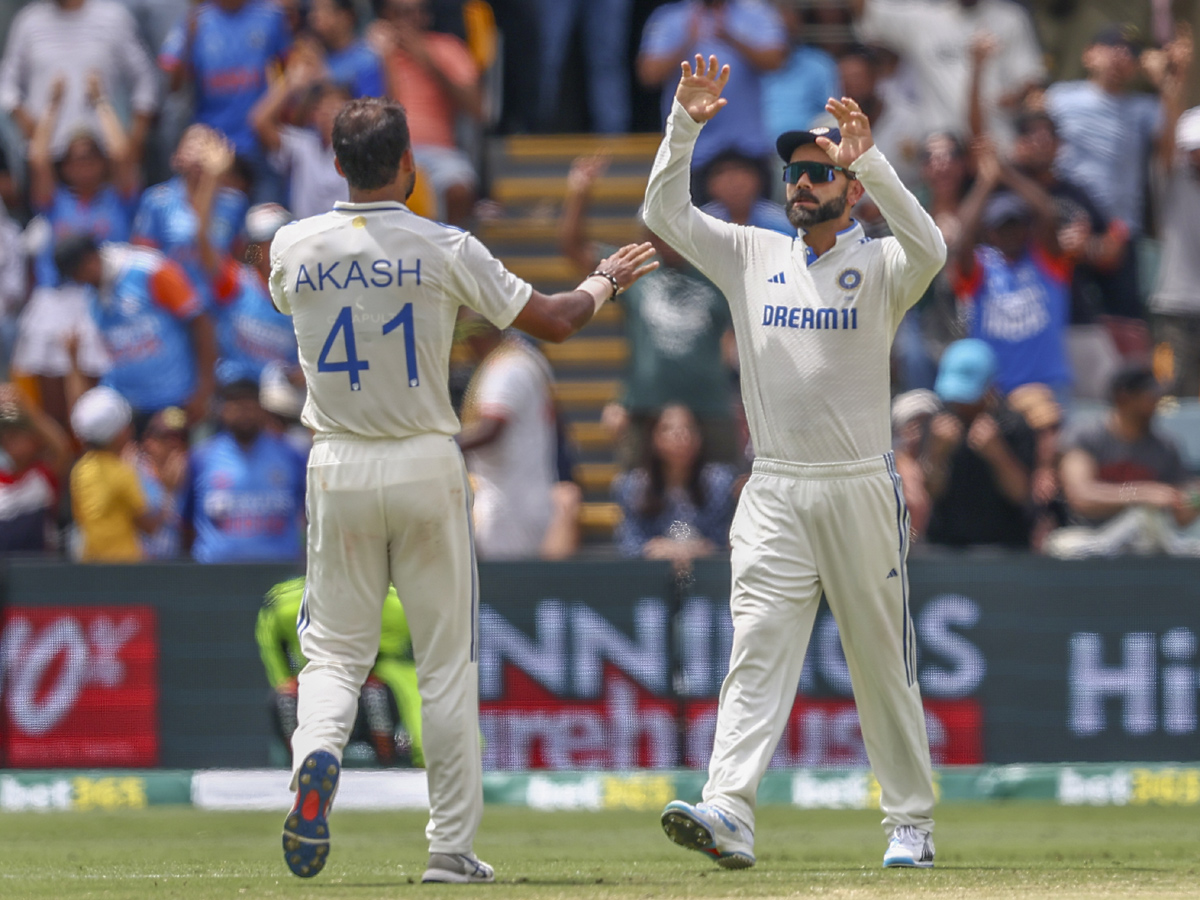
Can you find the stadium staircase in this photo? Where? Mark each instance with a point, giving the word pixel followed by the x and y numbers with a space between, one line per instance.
pixel 528 182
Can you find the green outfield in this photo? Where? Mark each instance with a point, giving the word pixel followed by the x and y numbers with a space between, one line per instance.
pixel 984 852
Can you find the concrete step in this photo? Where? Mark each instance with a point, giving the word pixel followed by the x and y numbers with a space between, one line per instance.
pixel 550 148
pixel 597 352
pixel 595 478
pixel 511 189
pixel 589 437
pixel 590 395
pixel 599 519
pixel 501 233
pixel 543 270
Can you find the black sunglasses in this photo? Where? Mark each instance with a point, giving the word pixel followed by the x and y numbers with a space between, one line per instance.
pixel 817 172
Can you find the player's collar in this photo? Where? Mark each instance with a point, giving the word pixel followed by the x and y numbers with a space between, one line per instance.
pixel 851 234
pixel 370 207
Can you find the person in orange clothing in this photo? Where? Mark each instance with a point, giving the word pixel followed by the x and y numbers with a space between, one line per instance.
pixel 106 497
pixel 434 77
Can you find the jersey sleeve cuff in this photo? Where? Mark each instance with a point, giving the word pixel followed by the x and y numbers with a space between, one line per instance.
pixel 684 125
pixel 869 162
pixel 514 308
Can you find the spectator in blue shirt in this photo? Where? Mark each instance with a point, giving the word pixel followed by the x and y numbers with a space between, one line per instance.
pixel 1016 287
pixel 154 329
pixel 92 188
pixel 250 331
pixel 747 34
pixel 348 58
pixel 245 497
pixel 794 96
pixel 675 506
pixel 226 48
pixel 166 218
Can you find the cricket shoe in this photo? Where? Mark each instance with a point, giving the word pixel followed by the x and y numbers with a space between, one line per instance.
pixel 710 831
pixel 306 829
pixel 909 848
pixel 457 868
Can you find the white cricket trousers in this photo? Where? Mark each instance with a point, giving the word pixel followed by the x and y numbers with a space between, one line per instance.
pixel 399 511
pixel 802 530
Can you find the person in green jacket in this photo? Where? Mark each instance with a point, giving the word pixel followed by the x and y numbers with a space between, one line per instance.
pixel 391 687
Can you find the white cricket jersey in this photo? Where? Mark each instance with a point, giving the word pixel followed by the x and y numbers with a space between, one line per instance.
pixel 515 473
pixel 814 335
pixel 373 291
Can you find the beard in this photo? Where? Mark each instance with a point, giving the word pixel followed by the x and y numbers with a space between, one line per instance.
pixel 807 217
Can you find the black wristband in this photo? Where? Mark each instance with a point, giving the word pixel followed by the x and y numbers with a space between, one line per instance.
pixel 611 279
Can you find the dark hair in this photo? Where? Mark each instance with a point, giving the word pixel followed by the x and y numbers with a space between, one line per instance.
pixel 860 51
pixel 736 158
pixel 242 171
pixel 956 141
pixel 1031 119
pixel 1135 379
pixel 370 135
pixel 240 388
pixel 655 498
pixel 70 252
pixel 86 137
pixel 348 6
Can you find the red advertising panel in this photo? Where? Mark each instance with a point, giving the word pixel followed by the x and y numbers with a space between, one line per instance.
pixel 80 686
pixel 530 727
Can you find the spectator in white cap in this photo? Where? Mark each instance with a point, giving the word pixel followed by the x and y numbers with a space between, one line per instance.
pixel 912 412
pixel 106 497
pixel 1175 302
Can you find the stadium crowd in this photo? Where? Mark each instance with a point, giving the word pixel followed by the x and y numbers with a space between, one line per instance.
pixel 1047 387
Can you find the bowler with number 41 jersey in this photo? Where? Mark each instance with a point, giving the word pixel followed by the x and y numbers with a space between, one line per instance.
pixel 373 291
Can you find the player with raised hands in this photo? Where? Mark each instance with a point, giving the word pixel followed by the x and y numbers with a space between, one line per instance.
pixel 823 511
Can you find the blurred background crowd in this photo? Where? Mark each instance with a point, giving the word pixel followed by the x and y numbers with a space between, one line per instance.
pixel 1047 387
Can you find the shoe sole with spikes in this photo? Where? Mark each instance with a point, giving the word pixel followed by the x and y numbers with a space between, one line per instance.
pixel 686 830
pixel 306 829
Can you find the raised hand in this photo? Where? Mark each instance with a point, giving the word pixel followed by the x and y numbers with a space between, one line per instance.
pixel 699 90
pixel 855 129
pixel 57 89
pixel 585 170
pixel 94 88
pixel 629 263
pixel 983 47
pixel 215 154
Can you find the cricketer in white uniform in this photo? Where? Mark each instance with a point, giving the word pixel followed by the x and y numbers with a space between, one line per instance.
pixel 823 512
pixel 373 291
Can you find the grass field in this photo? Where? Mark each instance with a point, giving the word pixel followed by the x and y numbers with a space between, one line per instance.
pixel 982 852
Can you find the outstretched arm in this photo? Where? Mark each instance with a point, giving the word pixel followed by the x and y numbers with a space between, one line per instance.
pixel 42 181
pixel 1170 70
pixel 918 251
pixel 555 317
pixel 572 239
pixel 669 212
pixel 123 150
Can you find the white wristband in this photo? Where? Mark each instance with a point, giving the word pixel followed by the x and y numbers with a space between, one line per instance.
pixel 598 288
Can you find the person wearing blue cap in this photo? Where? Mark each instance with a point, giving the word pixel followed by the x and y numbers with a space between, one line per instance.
pixel 823 513
pixel 1014 289
pixel 980 456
